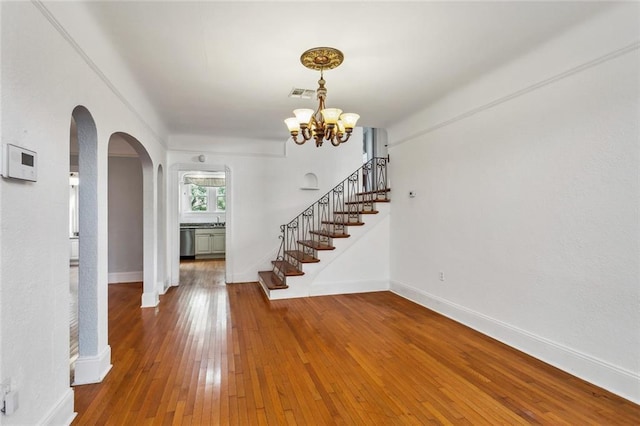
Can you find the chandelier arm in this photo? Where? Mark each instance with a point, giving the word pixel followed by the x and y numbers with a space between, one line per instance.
pixel 341 138
pixel 330 132
pixel 306 134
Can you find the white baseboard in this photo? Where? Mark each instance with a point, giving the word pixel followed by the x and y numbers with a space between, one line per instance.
pixel 150 299
pixel 348 287
pixel 92 369
pixel 125 277
pixel 62 412
pixel 608 376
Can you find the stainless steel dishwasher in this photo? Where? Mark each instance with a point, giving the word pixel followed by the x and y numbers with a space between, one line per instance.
pixel 187 242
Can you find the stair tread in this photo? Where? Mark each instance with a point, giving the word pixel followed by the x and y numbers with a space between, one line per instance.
pixel 359 202
pixel 316 245
pixel 287 268
pixel 330 234
pixel 368 201
pixel 271 280
pixel 359 212
pixel 302 257
pixel 378 191
pixel 337 222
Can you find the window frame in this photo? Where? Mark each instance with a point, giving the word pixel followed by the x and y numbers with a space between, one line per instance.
pixel 211 193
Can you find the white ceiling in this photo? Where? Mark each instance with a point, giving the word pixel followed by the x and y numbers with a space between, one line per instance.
pixel 226 68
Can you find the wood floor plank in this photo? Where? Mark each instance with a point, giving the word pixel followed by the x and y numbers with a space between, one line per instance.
pixel 217 354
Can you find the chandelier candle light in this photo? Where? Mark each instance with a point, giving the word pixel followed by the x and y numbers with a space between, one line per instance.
pixel 325 124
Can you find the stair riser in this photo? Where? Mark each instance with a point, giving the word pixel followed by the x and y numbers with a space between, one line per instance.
pixel 359 207
pixel 329 229
pixel 336 229
pixel 346 218
pixel 307 250
pixel 371 198
pixel 320 238
pixel 292 260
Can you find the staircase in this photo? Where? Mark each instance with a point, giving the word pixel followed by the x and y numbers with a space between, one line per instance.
pixel 314 231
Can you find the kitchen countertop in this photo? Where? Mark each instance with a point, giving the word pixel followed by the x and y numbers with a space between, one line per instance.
pixel 214 225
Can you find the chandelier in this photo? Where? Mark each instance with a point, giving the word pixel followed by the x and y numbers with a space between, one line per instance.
pixel 324 124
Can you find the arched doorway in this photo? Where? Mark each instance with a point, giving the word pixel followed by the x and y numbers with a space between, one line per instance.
pixel 150 291
pixel 94 354
pixel 125 223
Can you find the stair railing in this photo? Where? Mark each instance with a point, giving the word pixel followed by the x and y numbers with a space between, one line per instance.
pixel 355 193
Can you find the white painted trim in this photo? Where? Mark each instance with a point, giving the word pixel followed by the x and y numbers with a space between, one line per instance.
pixel 608 376
pixel 173 219
pixel 92 369
pixel 348 287
pixel 150 299
pixel 213 152
pixel 95 68
pixel 62 412
pixel 125 277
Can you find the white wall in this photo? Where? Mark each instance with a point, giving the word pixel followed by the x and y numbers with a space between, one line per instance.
pixel 43 78
pixel 361 267
pixel 263 191
pixel 527 186
pixel 125 219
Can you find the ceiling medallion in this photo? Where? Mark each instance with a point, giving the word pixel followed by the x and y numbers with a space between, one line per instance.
pixel 325 124
pixel 322 58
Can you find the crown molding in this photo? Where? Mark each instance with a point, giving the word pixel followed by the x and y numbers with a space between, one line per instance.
pixel 95 68
pixel 531 88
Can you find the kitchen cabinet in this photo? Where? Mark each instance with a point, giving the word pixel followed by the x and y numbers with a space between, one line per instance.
pixel 210 243
pixel 203 242
pixel 218 242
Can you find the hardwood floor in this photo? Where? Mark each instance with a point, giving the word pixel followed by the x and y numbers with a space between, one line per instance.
pixel 214 354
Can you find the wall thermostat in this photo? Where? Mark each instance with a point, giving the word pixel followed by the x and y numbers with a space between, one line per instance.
pixel 20 163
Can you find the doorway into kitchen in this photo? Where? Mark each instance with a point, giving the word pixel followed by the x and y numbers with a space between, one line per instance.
pixel 202 215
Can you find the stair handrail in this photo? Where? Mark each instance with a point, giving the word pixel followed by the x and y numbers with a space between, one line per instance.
pixel 369 182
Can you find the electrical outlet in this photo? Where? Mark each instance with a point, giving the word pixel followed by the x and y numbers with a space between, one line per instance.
pixel 441 276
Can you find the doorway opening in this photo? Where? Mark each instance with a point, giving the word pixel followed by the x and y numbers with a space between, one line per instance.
pixel 202 217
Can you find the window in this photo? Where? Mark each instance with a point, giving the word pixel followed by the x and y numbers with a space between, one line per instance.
pixel 221 199
pixel 200 197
